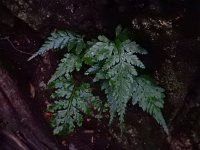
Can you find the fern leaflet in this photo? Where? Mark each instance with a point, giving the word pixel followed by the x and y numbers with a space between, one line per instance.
pixel 69 63
pixel 59 39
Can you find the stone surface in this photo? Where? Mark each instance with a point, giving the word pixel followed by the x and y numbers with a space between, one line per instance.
pixel 81 15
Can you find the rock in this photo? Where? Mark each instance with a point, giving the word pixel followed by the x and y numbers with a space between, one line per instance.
pixel 169 49
pixel 86 16
pixel 6 17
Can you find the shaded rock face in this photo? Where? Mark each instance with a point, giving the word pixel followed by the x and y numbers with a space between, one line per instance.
pixel 173 39
pixel 85 16
pixel 169 30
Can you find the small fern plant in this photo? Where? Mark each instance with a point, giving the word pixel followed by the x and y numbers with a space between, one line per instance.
pixel 114 64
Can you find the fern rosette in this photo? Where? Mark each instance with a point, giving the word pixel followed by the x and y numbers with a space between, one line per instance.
pixel 114 65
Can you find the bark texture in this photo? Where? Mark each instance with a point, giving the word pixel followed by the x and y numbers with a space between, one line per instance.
pixel 20 129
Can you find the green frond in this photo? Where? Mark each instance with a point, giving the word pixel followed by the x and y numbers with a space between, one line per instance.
pixel 132 47
pixel 117 96
pixel 100 51
pixel 76 101
pixel 59 39
pixel 150 98
pixel 111 100
pixel 68 64
pixel 114 63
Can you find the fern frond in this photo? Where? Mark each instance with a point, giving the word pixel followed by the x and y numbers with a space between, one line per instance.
pixel 117 97
pixel 133 47
pixel 59 39
pixel 116 69
pixel 150 98
pixel 111 100
pixel 75 102
pixel 100 50
pixel 69 63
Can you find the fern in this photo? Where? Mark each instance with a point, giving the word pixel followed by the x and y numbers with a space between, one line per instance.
pixel 115 66
pixel 150 98
pixel 74 102
pixel 69 63
pixel 59 39
pixel 115 63
pixel 118 68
